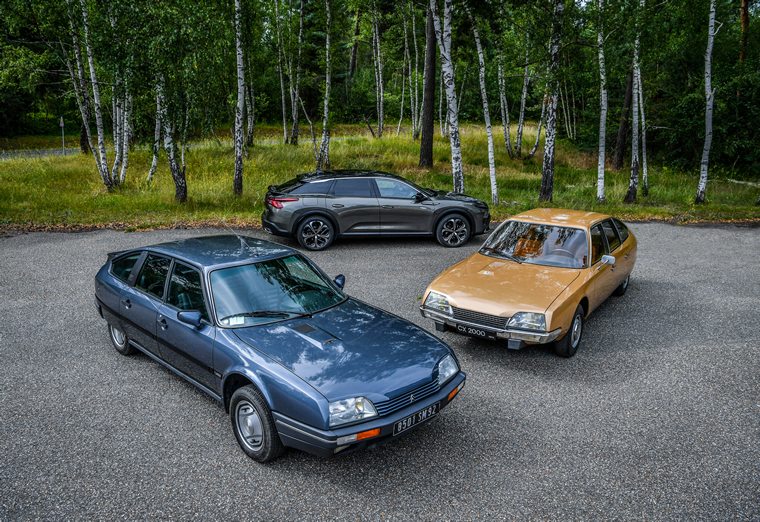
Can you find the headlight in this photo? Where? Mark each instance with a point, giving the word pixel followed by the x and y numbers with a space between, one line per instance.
pixel 351 410
pixel 440 302
pixel 447 368
pixel 528 321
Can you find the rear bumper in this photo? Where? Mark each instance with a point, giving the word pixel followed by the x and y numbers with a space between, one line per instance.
pixel 325 443
pixel 271 227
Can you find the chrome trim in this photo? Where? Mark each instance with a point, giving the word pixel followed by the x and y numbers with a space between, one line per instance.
pixel 537 337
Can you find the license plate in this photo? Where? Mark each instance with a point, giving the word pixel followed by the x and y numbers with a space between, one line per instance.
pixel 475 332
pixel 416 418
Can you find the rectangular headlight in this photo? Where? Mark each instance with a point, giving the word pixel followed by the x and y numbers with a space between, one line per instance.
pixel 438 302
pixel 351 410
pixel 447 368
pixel 528 321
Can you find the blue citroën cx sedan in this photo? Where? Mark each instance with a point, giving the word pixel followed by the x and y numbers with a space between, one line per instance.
pixel 261 329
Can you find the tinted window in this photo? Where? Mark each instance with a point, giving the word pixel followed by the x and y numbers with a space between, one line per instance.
pixel 622 230
pixel 612 238
pixel 352 187
pixel 598 246
pixel 153 275
pixel 538 244
pixel 391 188
pixel 185 290
pixel 122 267
pixel 317 188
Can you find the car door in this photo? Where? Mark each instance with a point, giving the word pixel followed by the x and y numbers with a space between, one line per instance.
pixel 400 210
pixel 188 348
pixel 140 303
pixel 603 275
pixel 353 202
pixel 615 248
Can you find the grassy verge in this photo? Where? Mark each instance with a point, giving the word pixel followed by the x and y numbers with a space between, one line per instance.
pixel 65 192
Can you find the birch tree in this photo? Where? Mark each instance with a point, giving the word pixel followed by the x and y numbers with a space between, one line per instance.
pixel 504 107
pixel 278 31
pixel 415 93
pixel 633 182
pixel 443 37
pixel 178 175
pixel 295 84
pixel 237 184
pixel 544 101
pixel 547 168
pixel 523 99
pixel 602 105
pixel 323 160
pixel 643 123
pixel 156 139
pixel 709 99
pixel 486 111
pixel 428 94
pixel 377 57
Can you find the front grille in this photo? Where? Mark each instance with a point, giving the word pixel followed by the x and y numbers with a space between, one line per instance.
pixel 405 399
pixel 479 318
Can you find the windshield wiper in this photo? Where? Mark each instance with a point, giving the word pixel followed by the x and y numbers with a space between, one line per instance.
pixel 499 253
pixel 270 313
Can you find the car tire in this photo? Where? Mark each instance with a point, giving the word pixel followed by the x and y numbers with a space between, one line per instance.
pixel 253 425
pixel 568 345
pixel 620 290
pixel 120 340
pixel 315 233
pixel 453 230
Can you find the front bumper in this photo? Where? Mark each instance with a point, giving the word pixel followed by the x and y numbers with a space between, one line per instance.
pixel 519 336
pixel 324 443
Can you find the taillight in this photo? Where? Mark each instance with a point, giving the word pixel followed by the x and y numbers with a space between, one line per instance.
pixel 277 201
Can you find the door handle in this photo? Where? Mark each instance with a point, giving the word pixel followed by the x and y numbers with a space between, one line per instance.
pixel 162 322
pixel 337 205
pixel 387 206
pixel 127 303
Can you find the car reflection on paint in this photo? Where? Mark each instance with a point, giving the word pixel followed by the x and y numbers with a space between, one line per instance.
pixel 261 329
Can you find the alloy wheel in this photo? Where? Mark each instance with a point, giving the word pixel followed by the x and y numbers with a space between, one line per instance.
pixel 249 425
pixel 576 331
pixel 454 231
pixel 316 234
pixel 118 336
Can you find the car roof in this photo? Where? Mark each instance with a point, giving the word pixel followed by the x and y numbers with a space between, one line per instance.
pixel 344 173
pixel 561 217
pixel 227 249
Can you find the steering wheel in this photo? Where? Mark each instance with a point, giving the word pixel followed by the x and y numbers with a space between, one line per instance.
pixel 563 251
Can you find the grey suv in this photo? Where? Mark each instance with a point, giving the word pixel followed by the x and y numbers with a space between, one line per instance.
pixel 316 208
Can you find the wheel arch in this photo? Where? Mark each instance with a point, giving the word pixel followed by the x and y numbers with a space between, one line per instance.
pixel 453 210
pixel 237 379
pixel 311 213
pixel 584 304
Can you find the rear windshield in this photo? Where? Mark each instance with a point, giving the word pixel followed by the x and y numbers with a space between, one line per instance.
pixel 538 244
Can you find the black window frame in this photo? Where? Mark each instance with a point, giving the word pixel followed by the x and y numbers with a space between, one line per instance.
pixel 144 260
pixel 206 300
pixel 370 182
pixel 614 231
pixel 618 225
pixel 591 244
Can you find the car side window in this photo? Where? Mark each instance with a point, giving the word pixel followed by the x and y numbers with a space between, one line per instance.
pixel 352 187
pixel 314 188
pixel 153 275
pixel 622 229
pixel 392 188
pixel 598 246
pixel 121 268
pixel 612 236
pixel 186 290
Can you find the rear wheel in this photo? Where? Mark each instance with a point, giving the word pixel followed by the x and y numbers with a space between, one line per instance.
pixel 120 340
pixel 453 231
pixel 315 233
pixel 620 290
pixel 568 345
pixel 253 425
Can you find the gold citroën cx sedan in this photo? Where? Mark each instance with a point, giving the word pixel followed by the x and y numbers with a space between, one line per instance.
pixel 535 279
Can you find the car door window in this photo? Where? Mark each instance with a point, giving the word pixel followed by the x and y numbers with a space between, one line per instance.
pixel 622 230
pixel 352 188
pixel 121 268
pixel 152 277
pixel 613 241
pixel 598 246
pixel 186 290
pixel 392 188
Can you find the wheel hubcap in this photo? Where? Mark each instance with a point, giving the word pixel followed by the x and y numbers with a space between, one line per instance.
pixel 316 233
pixel 454 231
pixel 625 283
pixel 575 333
pixel 249 425
pixel 118 336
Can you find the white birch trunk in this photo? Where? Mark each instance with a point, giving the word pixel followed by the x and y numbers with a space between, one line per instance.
pixel 178 175
pixel 156 139
pixel 504 108
pixel 126 136
pixel 416 113
pixel 443 36
pixel 547 166
pixel 295 96
pixel 709 99
pixel 237 183
pixel 80 86
pixel 323 161
pixel 538 128
pixel 633 183
pixel 486 111
pixel 279 69
pixel 250 115
pixel 643 123
pixel 523 98
pixel 403 83
pixel 379 75
pixel 117 138
pixel 440 106
pixel 600 164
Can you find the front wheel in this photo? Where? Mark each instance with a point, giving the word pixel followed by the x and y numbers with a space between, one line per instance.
pixel 568 345
pixel 120 340
pixel 453 231
pixel 315 233
pixel 253 425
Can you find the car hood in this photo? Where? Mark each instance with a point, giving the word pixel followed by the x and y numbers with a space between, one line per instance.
pixel 502 287
pixel 455 196
pixel 350 350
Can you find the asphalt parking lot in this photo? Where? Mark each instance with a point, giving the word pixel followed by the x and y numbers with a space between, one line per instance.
pixel 656 417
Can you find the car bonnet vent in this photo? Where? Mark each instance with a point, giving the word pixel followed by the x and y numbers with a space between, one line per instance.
pixel 304 328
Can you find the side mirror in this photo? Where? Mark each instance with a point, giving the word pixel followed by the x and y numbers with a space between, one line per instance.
pixel 419 197
pixel 340 281
pixel 191 317
pixel 608 260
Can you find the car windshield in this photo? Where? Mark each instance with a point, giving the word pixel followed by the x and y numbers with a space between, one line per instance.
pixel 271 290
pixel 538 244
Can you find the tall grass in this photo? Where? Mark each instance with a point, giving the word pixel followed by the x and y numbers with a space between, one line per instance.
pixel 66 191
